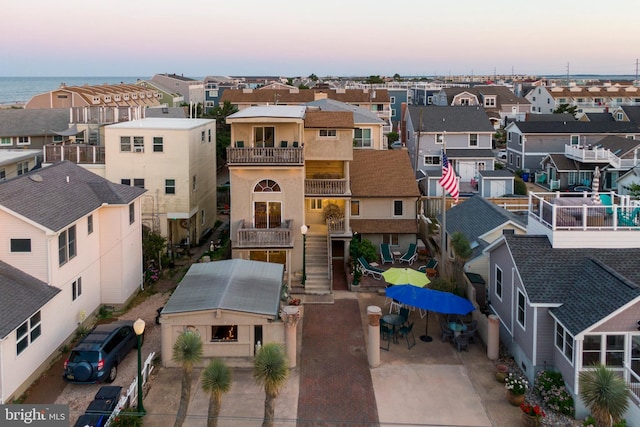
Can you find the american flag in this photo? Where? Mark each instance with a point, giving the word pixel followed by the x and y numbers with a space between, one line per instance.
pixel 449 180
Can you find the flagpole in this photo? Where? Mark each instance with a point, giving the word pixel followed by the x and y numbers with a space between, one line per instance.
pixel 443 225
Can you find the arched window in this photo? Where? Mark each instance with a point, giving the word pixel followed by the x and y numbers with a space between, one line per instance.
pixel 266 185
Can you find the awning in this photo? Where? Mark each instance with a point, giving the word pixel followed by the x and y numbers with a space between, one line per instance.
pixel 73 130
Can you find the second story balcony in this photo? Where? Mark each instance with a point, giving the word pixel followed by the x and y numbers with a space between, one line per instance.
pixel 247 156
pixel 589 154
pixel 248 236
pixel 326 187
pixel 76 153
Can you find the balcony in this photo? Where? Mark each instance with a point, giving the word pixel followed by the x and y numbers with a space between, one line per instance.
pixel 265 156
pixel 326 187
pixel 76 153
pixel 590 154
pixel 250 237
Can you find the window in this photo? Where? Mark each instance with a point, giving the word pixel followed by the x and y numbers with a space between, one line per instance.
pixel 393 112
pixel 316 204
pixel 520 139
pixel 132 213
pixel 564 342
pixel 202 217
pixel 397 208
pixel 158 144
pixel 619 116
pixel 202 136
pixel 510 158
pixel 362 138
pixel 20 245
pixel 125 144
pixel 630 136
pixel 264 136
pixel 614 355
pixel 590 349
pixel 439 138
pixel 125 181
pixel 274 257
pixel 28 332
pixel 575 140
pixel 169 186
pixel 508 136
pixel 90 224
pixel 390 239
pixel 138 144
pixel 194 183
pixel 23 167
pixel 266 185
pixel 327 133
pixel 355 208
pixel 491 102
pixel 534 99
pixel 392 99
pixel 5 140
pixel 23 140
pixel 431 160
pixel 76 289
pixel 522 309
pixel 473 140
pixel 499 282
pixel 67 245
pixel 518 161
pixel 224 333
pixel 138 182
pixel 209 135
pixel 465 101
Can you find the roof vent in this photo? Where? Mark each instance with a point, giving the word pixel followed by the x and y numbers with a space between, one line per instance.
pixel 35 177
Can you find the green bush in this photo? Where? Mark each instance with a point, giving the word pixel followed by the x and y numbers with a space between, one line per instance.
pixel 363 248
pixel 127 418
pixel 550 387
pixel 520 187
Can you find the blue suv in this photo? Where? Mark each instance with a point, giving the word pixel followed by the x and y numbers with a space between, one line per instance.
pixel 96 358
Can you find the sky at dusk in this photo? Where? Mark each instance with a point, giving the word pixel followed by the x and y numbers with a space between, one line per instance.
pixel 327 38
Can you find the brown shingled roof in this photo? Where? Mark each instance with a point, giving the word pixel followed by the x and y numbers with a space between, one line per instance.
pixel 382 173
pixel 374 226
pixel 328 119
pixel 302 96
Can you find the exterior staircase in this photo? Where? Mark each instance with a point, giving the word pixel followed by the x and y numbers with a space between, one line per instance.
pixel 317 262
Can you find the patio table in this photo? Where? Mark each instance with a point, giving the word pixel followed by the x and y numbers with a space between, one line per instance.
pixel 394 320
pixel 457 328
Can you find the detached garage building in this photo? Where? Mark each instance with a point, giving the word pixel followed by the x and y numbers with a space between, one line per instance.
pixel 231 304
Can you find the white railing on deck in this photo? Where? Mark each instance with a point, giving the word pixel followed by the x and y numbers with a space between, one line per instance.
pixel 319 187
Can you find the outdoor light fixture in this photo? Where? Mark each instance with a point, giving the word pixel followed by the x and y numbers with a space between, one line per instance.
pixel 138 328
pixel 303 230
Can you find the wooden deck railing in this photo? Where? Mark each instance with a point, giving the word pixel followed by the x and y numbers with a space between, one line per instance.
pixel 326 187
pixel 265 155
pixel 76 153
pixel 251 237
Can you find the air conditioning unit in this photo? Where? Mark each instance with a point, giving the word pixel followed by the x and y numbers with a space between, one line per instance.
pixel 138 149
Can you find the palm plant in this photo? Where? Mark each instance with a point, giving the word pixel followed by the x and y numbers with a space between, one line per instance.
pixel 216 380
pixel 187 351
pixel 604 393
pixel 270 370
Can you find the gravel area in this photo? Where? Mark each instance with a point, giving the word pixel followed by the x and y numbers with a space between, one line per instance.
pixel 78 396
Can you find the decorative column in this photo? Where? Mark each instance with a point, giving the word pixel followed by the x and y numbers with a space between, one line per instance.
pixel 290 314
pixel 493 337
pixel 374 313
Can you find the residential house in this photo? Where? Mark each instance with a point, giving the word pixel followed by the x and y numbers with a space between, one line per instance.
pixel 168 96
pixel 32 129
pixel 384 198
pixel 120 95
pixel 73 241
pixel 499 102
pixel 625 181
pixel 627 114
pixel 529 142
pixel 192 90
pixel 567 293
pixel 397 97
pixel 214 87
pixel 175 160
pixel 17 162
pixel 587 99
pixel 613 155
pixel 465 131
pixel 212 300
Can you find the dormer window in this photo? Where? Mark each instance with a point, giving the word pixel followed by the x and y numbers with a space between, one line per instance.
pixel 116 98
pixel 134 96
pixel 126 96
pixel 107 98
pixel 96 100
pixel 490 102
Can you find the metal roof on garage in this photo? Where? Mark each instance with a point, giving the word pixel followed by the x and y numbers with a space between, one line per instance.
pixel 235 285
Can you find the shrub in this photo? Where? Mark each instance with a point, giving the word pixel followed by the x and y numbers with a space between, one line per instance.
pixel 550 387
pixel 519 187
pixel 363 248
pixel 127 418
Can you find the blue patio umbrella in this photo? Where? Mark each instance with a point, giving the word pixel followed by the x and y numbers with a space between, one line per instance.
pixel 430 300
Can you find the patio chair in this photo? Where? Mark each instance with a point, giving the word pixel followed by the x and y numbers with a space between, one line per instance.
pixel 471 330
pixel 239 144
pixel 411 255
pixel 284 144
pixel 368 270
pixel 404 312
pixel 462 341
pixel 405 331
pixel 431 264
pixel 394 305
pixel 386 334
pixel 385 253
pixel 446 333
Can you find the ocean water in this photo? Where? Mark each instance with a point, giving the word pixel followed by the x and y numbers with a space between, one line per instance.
pixel 20 89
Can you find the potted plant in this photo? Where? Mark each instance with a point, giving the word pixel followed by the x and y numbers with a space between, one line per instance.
pixel 531 415
pixel 501 372
pixel 516 388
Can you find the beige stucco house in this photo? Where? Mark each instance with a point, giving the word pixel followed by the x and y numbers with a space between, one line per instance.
pixel 71 242
pixel 175 160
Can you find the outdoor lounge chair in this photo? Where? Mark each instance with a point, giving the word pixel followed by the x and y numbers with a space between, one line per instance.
pixel 411 255
pixel 368 270
pixel 385 253
pixel 431 264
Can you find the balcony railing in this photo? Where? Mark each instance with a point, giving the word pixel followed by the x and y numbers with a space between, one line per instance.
pixel 250 237
pixel 597 155
pixel 76 153
pixel 326 187
pixel 335 226
pixel 265 155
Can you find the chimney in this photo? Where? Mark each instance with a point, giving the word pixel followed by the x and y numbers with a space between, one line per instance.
pixel 319 95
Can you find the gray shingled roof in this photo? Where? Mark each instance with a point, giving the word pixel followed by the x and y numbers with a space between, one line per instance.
pixel 599 117
pixel 633 113
pixel 32 122
pixel 450 119
pixel 235 285
pixel 562 276
pixel 60 194
pixel 360 115
pixel 477 216
pixel 22 296
pixel 470 153
pixel 498 173
pixel 561 117
pixel 565 164
pixel 577 127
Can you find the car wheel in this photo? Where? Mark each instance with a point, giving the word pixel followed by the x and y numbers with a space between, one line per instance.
pixel 113 372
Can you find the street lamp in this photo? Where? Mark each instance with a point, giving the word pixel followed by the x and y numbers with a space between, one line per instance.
pixel 303 230
pixel 138 327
